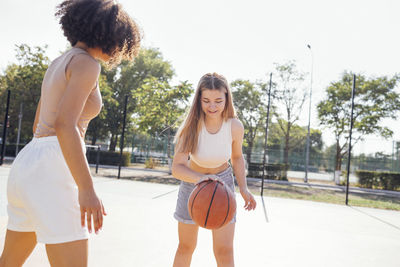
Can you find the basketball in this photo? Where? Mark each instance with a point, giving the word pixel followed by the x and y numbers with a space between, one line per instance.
pixel 211 204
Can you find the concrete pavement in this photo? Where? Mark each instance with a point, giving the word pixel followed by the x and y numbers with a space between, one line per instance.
pixel 140 231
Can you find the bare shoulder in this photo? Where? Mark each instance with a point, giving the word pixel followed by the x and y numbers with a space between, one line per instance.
pixel 237 128
pixel 84 66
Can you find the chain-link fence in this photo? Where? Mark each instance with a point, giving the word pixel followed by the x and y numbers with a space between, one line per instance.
pixel 369 154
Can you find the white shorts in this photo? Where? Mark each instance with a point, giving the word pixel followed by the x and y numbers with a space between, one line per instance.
pixel 42 194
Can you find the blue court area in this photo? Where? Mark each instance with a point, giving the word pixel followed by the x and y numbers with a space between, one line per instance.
pixel 140 231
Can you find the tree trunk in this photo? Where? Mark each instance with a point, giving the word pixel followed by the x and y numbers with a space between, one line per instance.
pixel 248 152
pixel 112 145
pixel 94 139
pixel 113 142
pixel 168 143
pixel 286 150
pixel 338 161
pixel 169 152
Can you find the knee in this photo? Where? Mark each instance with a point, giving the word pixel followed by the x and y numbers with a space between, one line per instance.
pixel 223 251
pixel 186 248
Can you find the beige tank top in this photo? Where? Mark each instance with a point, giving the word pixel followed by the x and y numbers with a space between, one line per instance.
pixel 53 86
pixel 213 150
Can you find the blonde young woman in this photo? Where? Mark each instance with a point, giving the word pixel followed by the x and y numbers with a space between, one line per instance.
pixel 51 198
pixel 210 136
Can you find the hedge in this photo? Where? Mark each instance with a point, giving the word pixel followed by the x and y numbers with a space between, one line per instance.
pixel 272 171
pixel 10 149
pixel 108 157
pixel 379 180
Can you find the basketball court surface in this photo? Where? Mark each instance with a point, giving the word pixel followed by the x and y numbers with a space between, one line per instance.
pixel 140 231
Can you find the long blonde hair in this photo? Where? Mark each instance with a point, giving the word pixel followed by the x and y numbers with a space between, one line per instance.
pixel 188 133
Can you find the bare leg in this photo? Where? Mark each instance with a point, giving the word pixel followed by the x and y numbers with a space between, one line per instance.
pixel 223 245
pixel 68 254
pixel 17 248
pixel 187 244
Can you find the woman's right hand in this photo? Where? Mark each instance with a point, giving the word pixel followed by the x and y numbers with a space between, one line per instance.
pixel 206 177
pixel 91 207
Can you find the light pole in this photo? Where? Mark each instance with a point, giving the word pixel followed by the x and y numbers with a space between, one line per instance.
pixel 309 118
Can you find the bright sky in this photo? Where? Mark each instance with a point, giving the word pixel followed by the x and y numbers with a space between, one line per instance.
pixel 240 39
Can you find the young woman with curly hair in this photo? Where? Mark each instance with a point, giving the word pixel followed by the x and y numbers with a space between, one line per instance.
pixel 210 136
pixel 51 198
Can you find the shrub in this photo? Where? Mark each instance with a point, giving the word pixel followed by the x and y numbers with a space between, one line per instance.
pixel 108 157
pixel 10 149
pixel 150 163
pixel 272 171
pixel 379 180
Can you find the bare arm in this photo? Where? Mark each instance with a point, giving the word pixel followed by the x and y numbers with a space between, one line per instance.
pixel 35 122
pixel 238 164
pixel 83 72
pixel 181 171
pixel 237 154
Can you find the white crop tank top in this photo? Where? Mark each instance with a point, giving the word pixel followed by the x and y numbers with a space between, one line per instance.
pixel 213 150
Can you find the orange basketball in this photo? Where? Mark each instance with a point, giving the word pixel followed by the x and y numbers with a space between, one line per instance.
pixel 212 204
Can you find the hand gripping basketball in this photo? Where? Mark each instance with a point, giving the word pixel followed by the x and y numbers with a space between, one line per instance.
pixel 211 204
pixel 208 177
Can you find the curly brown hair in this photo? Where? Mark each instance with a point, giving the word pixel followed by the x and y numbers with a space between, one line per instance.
pixel 103 24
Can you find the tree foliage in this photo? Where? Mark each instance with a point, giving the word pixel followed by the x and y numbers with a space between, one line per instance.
pixel 276 146
pixel 289 97
pixel 124 80
pixel 24 80
pixel 160 107
pixel 250 105
pixel 375 99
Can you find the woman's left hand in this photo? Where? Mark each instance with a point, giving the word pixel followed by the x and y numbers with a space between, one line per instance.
pixel 249 201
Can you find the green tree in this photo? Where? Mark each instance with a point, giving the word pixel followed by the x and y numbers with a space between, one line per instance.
pixel 251 110
pixel 290 96
pixel 276 146
pixel 297 151
pixel 375 99
pixel 329 156
pixel 24 80
pixel 124 80
pixel 160 106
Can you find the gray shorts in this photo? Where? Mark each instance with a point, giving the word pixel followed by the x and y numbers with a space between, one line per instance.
pixel 182 212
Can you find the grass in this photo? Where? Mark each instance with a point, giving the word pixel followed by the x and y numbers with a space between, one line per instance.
pixel 329 196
